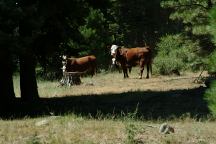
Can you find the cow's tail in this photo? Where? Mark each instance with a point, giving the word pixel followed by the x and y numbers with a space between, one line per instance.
pixel 93 65
pixel 150 67
pixel 94 70
pixel 151 61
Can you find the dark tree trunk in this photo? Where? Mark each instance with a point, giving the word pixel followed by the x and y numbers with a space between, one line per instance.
pixel 210 4
pixel 6 79
pixel 28 83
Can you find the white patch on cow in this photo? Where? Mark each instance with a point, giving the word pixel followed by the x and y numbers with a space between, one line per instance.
pixel 113 61
pixel 113 49
pixel 64 57
pixel 63 63
pixel 63 68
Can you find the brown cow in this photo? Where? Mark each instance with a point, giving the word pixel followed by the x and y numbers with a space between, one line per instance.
pixel 129 57
pixel 86 64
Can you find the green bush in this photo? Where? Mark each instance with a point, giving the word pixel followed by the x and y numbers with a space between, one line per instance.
pixel 210 97
pixel 174 52
pixel 211 63
pixel 164 65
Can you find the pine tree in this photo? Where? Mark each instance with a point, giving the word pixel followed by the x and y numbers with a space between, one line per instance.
pixel 192 16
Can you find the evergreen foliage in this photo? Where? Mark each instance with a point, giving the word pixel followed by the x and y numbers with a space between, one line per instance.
pixel 212 28
pixel 42 30
pixel 174 52
pixel 210 97
pixel 211 92
pixel 192 21
pixel 193 14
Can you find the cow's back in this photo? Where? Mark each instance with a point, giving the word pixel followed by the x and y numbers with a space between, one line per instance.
pixel 83 64
pixel 134 55
pixel 86 60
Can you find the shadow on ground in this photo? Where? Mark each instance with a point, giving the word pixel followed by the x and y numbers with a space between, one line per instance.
pixel 149 105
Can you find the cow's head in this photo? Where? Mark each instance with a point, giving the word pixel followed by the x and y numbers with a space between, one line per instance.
pixel 113 53
pixel 64 59
pixel 113 50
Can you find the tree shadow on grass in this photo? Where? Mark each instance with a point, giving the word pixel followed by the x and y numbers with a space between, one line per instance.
pixel 145 104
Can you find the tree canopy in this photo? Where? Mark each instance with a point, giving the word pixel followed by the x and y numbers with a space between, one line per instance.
pixel 37 32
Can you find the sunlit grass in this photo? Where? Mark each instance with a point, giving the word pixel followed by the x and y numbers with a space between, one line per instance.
pixel 112 83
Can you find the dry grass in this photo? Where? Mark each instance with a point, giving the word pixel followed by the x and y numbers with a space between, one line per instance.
pixel 186 132
pixel 72 129
pixel 67 129
pixel 159 94
pixel 115 83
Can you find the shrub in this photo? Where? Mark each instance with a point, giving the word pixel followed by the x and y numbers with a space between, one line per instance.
pixel 210 97
pixel 174 52
pixel 210 94
pixel 211 63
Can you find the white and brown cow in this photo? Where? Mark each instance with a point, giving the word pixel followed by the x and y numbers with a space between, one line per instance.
pixel 129 57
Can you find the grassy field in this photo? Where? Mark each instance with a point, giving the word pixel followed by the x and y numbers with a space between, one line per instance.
pixel 109 109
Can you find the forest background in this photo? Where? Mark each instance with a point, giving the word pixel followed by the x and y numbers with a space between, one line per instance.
pixel 35 33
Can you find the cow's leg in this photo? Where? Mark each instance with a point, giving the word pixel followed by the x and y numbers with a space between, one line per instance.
pixel 147 76
pixel 125 72
pixel 129 68
pixel 94 69
pixel 118 68
pixel 141 72
pixel 141 68
pixel 92 72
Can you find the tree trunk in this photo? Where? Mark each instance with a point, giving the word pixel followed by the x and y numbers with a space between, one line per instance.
pixel 28 83
pixel 210 4
pixel 6 78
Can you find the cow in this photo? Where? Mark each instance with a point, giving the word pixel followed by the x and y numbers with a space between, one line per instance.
pixel 129 57
pixel 86 64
